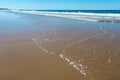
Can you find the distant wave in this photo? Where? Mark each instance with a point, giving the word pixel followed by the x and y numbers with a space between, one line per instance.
pixel 98 17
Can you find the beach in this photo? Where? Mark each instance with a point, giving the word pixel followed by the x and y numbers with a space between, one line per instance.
pixel 38 47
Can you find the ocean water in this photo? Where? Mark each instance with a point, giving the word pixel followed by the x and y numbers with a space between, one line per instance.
pixel 89 15
pixel 85 11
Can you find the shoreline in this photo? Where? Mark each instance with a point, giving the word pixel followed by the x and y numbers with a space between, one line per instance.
pixel 110 18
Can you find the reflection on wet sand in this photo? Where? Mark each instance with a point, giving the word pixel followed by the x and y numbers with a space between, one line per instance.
pixel 95 54
pixel 75 50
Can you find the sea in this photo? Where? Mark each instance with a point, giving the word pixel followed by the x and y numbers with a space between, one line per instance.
pixel 89 15
pixel 85 11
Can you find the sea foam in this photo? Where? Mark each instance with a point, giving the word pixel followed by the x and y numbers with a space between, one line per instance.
pixel 97 17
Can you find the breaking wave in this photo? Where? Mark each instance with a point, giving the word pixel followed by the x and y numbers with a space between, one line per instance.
pixel 97 17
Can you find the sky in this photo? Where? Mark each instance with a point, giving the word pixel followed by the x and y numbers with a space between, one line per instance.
pixel 61 4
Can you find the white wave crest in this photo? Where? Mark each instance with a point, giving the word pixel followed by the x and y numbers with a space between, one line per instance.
pixel 79 15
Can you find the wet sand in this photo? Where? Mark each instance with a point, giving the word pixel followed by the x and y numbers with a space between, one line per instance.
pixel 51 48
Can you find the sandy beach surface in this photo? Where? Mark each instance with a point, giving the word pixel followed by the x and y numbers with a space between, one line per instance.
pixel 34 47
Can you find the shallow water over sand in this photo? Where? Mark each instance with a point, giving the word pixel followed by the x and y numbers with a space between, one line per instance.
pixel 93 52
pixel 50 48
